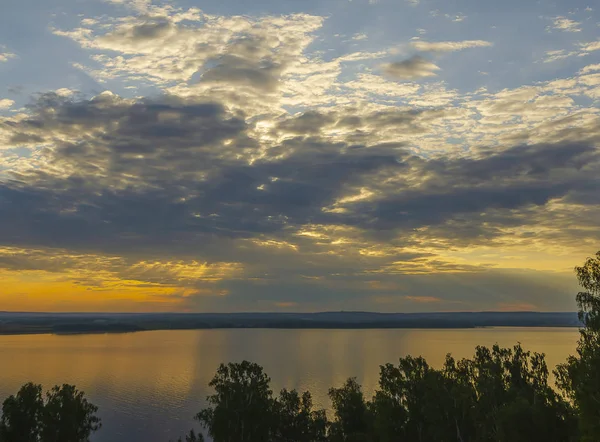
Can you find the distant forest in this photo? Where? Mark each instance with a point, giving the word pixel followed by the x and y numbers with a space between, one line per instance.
pixel 499 395
pixel 22 323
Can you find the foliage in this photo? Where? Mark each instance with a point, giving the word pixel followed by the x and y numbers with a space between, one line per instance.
pixel 500 395
pixel 353 418
pixel 295 420
pixel 64 416
pixel 22 415
pixel 241 409
pixel 579 377
pixel 192 436
pixel 68 416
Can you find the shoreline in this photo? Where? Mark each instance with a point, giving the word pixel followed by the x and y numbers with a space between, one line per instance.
pixel 49 331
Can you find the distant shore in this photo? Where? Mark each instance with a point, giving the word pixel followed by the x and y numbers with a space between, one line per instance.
pixel 16 323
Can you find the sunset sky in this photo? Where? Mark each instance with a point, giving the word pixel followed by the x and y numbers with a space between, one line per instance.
pixel 279 155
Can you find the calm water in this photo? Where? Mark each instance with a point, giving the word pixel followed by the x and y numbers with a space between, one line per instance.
pixel 149 385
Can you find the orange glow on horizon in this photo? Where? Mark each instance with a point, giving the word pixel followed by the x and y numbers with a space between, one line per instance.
pixel 43 292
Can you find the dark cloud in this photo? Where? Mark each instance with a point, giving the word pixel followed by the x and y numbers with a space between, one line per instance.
pixel 248 61
pixel 409 121
pixel 307 123
pixel 483 189
pixel 177 178
pixel 488 290
pixel 153 28
pixel 169 168
pixel 412 68
pixel 232 70
pixel 147 29
pixel 22 138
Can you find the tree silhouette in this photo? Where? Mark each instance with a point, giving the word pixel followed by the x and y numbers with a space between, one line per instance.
pixel 579 377
pixel 353 419
pixel 68 416
pixel 64 416
pixel 296 421
pixel 242 408
pixel 22 415
pixel 192 436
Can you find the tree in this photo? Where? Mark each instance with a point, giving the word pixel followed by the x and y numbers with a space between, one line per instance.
pixel 21 415
pixel 501 395
pixel 353 418
pixel 192 436
pixel 64 416
pixel 579 377
pixel 295 419
pixel 418 403
pixel 242 408
pixel 514 398
pixel 68 416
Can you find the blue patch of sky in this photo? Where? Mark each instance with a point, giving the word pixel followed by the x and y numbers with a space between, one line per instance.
pixel 518 31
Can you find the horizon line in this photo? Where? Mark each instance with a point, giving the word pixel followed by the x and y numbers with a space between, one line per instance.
pixel 279 312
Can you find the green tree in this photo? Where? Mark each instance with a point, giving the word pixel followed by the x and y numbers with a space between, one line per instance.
pixel 514 398
pixel 418 403
pixel 295 419
pixel 501 395
pixel 22 414
pixel 64 415
pixel 242 408
pixel 579 377
pixel 68 416
pixel 353 419
pixel 192 436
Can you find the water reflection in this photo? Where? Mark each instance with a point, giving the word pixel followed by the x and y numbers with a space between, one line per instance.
pixel 149 385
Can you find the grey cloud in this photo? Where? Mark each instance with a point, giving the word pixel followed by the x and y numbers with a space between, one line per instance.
pixel 237 71
pixel 145 30
pixel 187 182
pixel 412 68
pixel 248 61
pixel 24 138
pixel 512 179
pixel 486 290
pixel 195 193
pixel 153 28
pixel 310 122
pixel 313 122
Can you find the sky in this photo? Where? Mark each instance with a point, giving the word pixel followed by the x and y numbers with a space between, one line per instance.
pixel 279 155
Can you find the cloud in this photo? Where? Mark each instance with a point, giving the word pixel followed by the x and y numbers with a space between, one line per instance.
pixel 139 5
pixel 128 182
pixel 412 68
pixel 590 46
pixel 448 46
pixel 5 56
pixel 240 71
pixel 172 45
pixel 423 299
pixel 5 103
pixel 590 68
pixel 119 163
pixel 456 18
pixel 560 54
pixel 263 171
pixel 566 24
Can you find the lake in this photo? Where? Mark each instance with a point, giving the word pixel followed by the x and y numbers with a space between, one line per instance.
pixel 149 385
